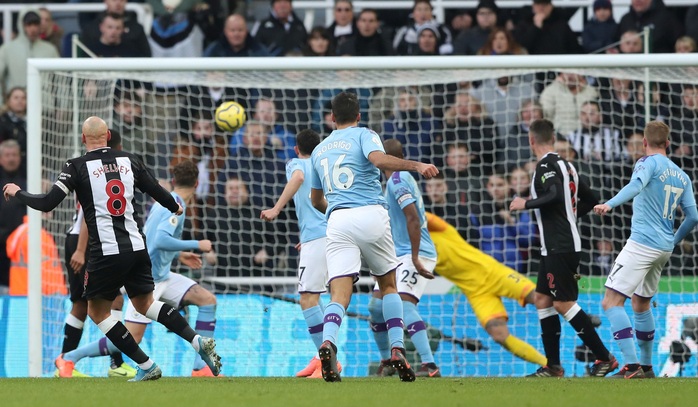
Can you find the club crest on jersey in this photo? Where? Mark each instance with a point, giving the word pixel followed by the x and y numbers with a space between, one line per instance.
pixel 173 220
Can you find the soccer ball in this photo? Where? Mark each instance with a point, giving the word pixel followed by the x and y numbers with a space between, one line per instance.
pixel 230 116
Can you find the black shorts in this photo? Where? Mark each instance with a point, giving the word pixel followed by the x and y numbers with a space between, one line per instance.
pixel 106 275
pixel 76 281
pixel 556 277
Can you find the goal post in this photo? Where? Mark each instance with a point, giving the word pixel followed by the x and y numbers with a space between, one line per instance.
pixel 52 135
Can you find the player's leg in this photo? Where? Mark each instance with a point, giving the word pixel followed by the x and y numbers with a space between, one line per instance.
pixel 312 281
pixel 549 322
pixel 380 332
pixel 137 286
pixel 206 317
pixel 117 366
pixel 343 265
pixel 562 284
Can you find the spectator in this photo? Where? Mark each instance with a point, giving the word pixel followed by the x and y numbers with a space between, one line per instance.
pixel 501 42
pixel 442 202
pixel 162 7
pixel 503 234
pixel 15 53
pixel 280 141
pixel 282 31
pixel 462 181
pixel 684 127
pixel 547 31
pixel 133 33
pixel 128 122
pixel 470 41
pixel 428 40
pixel 111 44
pixel 618 104
pixel 600 31
pixel 518 150
pixel 244 243
pixel 563 98
pixel 565 150
pixel 465 121
pixel 255 163
pixel 12 211
pixel 659 107
pixel 412 125
pixel 520 182
pixel 13 121
pixel 367 40
pixel 685 45
pixel 630 43
pixel 176 35
pixel 458 20
pixel 207 149
pixel 319 43
pixel 665 26
pixel 594 142
pixel 50 31
pixel 623 172
pixel 502 98
pixel 343 27
pixel 691 26
pixel 406 38
pixel 236 41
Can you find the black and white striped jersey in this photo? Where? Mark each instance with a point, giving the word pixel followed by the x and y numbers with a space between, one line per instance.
pixel 105 181
pixel 556 196
pixel 77 221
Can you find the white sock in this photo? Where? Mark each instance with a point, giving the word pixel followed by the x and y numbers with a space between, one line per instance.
pixel 147 364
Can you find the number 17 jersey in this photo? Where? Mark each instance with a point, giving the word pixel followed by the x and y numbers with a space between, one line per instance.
pixel 665 187
pixel 342 170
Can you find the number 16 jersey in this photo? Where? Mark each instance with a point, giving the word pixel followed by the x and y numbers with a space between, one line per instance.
pixel 342 170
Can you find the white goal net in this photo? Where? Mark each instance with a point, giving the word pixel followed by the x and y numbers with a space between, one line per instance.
pixel 468 116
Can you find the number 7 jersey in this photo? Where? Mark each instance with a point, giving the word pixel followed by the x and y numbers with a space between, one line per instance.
pixel 665 187
pixel 342 170
pixel 104 181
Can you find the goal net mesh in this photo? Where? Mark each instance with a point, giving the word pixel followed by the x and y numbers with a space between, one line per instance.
pixel 471 123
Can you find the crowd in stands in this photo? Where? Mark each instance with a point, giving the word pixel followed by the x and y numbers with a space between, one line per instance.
pixel 476 132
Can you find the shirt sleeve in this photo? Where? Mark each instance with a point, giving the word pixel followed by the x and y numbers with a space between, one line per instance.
pixel 146 182
pixel 68 178
pixel 370 142
pixel 293 166
pixel 315 182
pixel 401 192
pixel 165 236
pixel 644 170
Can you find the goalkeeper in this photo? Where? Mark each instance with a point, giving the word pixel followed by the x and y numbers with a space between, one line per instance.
pixel 484 281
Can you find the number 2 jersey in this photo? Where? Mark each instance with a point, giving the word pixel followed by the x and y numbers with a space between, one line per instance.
pixel 105 181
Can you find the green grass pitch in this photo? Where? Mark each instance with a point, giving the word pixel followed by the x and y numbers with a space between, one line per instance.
pixel 360 392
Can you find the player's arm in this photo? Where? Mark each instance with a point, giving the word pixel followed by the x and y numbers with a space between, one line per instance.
pixel 292 186
pixel 414 230
pixel 317 198
pixel 628 192
pixel 688 206
pixel 146 182
pixel 587 199
pixel 46 202
pixel 165 240
pixel 77 260
pixel 386 162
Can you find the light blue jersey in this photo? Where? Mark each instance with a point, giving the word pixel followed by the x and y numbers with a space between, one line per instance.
pixel 665 187
pixel 400 191
pixel 163 230
pixel 342 170
pixel 313 224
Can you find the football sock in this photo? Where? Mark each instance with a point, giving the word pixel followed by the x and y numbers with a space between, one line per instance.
pixel 205 325
pixel 380 330
pixel 644 331
pixel 392 313
pixel 313 317
pixel 623 334
pixel 170 318
pixel 550 333
pixel 116 359
pixel 72 333
pixel 418 331
pixel 581 323
pixel 334 312
pixel 122 339
pixel 524 350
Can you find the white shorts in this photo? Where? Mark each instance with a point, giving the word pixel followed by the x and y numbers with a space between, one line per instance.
pixel 170 291
pixel 408 279
pixel 356 232
pixel 312 267
pixel 637 270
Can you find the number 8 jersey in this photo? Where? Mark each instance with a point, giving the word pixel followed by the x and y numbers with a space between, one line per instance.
pixel 104 181
pixel 342 170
